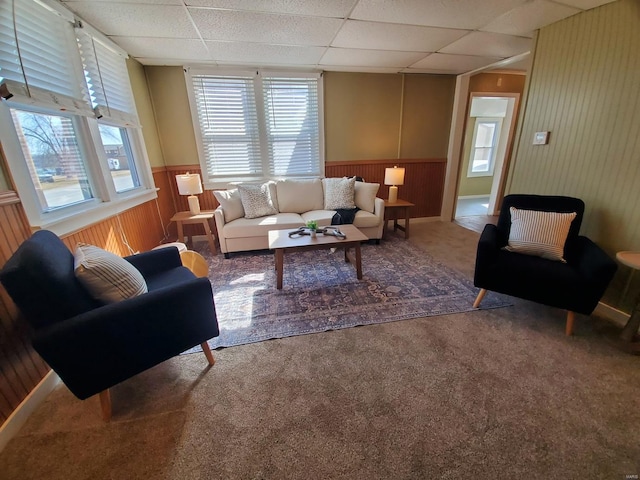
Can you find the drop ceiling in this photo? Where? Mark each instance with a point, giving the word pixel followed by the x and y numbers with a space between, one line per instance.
pixel 389 36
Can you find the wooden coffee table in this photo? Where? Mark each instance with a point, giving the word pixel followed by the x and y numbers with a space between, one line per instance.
pixel 280 241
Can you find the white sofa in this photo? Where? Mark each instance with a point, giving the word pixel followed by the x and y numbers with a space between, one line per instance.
pixel 295 202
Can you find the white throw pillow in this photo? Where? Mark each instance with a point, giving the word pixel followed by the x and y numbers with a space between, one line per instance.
pixel 231 203
pixel 365 197
pixel 339 193
pixel 256 200
pixel 300 196
pixel 542 234
pixel 106 276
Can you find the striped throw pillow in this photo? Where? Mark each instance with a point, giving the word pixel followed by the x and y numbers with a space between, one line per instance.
pixel 542 234
pixel 106 276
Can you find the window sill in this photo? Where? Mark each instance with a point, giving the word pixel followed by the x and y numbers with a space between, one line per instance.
pixel 72 221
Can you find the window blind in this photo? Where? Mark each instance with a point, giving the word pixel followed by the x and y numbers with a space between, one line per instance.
pixel 292 124
pixel 228 124
pixel 108 80
pixel 39 61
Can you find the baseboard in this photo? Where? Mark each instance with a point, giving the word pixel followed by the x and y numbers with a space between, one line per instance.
pixel 425 219
pixel 612 314
pixel 17 419
pixel 469 197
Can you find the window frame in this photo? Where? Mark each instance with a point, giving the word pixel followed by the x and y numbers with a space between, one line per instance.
pixel 227 181
pixel 494 146
pixel 106 201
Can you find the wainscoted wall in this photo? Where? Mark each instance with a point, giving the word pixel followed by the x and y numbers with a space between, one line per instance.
pixel 20 367
pixel 424 184
pixel 585 90
pixel 140 228
pixel 423 180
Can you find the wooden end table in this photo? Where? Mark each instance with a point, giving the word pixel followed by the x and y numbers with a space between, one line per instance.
pixel 280 241
pixel 392 211
pixel 202 218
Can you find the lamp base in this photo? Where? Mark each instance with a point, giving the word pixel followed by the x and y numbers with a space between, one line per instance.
pixel 393 194
pixel 194 204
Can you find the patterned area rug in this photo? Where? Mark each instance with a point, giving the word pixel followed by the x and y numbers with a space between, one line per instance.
pixel 321 291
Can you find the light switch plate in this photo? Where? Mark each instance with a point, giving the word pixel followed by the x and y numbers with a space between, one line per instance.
pixel 541 138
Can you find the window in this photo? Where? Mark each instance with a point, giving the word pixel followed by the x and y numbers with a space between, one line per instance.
pixel 68 121
pixel 486 133
pixel 258 125
pixel 53 158
pixel 120 159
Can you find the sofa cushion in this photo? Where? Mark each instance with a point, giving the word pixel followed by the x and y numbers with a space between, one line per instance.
pixel 231 203
pixel 106 276
pixel 299 196
pixel 365 196
pixel 339 193
pixel 259 227
pixel 256 200
pixel 323 217
pixel 542 234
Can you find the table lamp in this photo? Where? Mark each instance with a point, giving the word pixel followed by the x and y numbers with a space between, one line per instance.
pixel 393 176
pixel 190 184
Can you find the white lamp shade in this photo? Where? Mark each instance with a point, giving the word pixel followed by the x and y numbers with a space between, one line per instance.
pixel 394 176
pixel 189 184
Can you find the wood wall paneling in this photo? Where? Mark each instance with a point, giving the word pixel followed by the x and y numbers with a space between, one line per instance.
pixel 423 181
pixel 20 367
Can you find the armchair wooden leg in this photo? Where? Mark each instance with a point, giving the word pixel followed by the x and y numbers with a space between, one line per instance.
pixel 571 316
pixel 105 404
pixel 479 298
pixel 207 353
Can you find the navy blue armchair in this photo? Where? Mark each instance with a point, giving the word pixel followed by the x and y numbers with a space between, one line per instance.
pixel 576 285
pixel 94 346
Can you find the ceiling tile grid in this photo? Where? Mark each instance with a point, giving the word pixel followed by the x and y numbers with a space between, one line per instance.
pixel 419 36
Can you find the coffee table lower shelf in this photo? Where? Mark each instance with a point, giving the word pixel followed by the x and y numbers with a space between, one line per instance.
pixel 280 242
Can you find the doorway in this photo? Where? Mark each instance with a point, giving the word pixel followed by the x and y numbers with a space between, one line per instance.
pixel 487 140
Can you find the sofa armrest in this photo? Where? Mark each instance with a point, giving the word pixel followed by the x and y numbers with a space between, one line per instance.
pixel 218 214
pixel 378 209
pixel 590 260
pixel 109 344
pixel 488 245
pixel 155 261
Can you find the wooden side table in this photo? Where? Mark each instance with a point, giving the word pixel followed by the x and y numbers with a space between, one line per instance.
pixel 202 218
pixel 392 211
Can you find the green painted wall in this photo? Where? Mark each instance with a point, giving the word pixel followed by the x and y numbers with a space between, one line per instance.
pixel 585 90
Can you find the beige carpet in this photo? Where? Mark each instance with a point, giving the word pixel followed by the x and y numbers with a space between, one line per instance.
pixel 485 395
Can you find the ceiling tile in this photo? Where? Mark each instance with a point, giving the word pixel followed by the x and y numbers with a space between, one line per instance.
pixel 529 17
pixel 150 2
pixel 344 68
pixel 489 44
pixel 391 36
pixel 136 20
pixel 585 4
pixel 453 63
pixel 465 14
pixel 163 47
pixel 228 25
pixel 371 58
pixel 263 54
pixel 320 8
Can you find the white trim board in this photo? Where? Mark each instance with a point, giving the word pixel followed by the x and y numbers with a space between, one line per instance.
pixel 468 197
pixel 618 317
pixel 17 419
